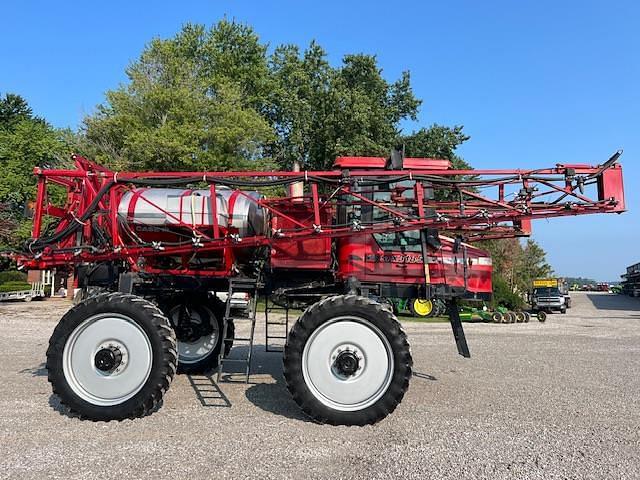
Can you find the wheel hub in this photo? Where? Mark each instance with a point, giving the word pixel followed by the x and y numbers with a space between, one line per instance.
pixel 346 364
pixel 197 331
pixel 191 324
pixel 111 357
pixel 347 361
pixel 108 359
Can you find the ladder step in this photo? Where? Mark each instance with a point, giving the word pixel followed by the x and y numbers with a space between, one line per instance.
pixel 237 339
pixel 240 319
pixel 251 286
pixel 271 341
pixel 248 283
pixel 243 289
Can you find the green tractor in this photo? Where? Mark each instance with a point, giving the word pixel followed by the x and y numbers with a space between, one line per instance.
pixel 423 308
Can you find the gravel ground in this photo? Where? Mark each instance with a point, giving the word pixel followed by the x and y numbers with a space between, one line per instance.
pixel 553 400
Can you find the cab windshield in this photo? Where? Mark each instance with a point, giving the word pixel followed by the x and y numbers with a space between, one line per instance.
pixel 546 292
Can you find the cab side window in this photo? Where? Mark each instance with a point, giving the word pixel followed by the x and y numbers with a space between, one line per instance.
pixel 394 195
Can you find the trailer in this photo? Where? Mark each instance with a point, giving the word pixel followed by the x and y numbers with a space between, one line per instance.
pixel 36 292
pixel 630 284
pixel 339 244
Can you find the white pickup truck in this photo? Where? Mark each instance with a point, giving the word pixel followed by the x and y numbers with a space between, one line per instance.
pixel 549 295
pixel 239 300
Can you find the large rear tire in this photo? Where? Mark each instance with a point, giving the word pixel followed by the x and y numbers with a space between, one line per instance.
pixel 112 357
pixel 347 361
pixel 197 322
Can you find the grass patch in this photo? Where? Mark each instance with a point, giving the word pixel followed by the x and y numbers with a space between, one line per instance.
pixel 16 286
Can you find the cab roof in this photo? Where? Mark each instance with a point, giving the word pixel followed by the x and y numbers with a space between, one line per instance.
pixel 408 163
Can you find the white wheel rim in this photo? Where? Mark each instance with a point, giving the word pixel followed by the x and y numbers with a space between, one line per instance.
pixel 107 388
pixel 366 386
pixel 193 352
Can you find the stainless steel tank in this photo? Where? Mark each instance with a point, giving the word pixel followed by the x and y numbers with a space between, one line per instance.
pixel 171 207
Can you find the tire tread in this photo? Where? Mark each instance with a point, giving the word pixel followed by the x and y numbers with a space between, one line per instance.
pixel 149 398
pixel 315 315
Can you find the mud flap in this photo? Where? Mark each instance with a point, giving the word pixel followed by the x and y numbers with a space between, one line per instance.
pixel 458 331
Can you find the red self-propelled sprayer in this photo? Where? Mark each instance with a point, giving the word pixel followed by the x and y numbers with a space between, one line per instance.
pixel 151 252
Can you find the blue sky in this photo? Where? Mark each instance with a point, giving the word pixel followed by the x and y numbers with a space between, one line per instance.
pixel 535 83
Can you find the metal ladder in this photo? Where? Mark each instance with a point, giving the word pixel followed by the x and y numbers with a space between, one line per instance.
pixel 268 345
pixel 247 285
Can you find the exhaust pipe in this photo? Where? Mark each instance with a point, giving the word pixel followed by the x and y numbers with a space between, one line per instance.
pixel 296 189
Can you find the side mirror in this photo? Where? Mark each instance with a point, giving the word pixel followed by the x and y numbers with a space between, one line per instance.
pixel 456 244
pixel 432 238
pixel 396 158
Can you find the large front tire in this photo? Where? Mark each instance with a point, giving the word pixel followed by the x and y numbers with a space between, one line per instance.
pixel 112 357
pixel 347 361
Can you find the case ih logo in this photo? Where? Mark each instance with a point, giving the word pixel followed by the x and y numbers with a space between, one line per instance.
pixel 394 258
pixel 146 228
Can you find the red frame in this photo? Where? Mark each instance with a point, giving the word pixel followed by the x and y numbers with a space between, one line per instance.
pixel 476 216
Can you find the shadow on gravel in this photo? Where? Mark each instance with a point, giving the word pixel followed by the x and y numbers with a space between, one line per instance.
pixel 208 391
pixel 62 409
pixel 270 397
pixel 39 371
pixel 274 398
pixel 614 302
pixel 424 376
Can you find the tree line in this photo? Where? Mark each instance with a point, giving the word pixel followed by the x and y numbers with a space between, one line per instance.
pixel 220 99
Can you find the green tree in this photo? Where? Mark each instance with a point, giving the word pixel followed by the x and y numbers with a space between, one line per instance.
pixel 8 225
pixel 533 264
pixel 300 106
pixel 503 294
pixel 368 108
pixel 580 281
pixel 13 109
pixel 515 266
pixel 506 256
pixel 25 142
pixel 437 141
pixel 213 98
pixel 192 102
